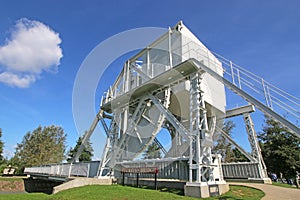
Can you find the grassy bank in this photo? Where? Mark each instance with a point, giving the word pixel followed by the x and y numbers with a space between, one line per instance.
pixel 11 184
pixel 129 193
pixel 14 178
pixel 283 185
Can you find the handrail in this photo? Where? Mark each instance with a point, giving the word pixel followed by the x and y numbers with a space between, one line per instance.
pixel 278 100
pixel 61 170
pixel 283 103
pixel 261 106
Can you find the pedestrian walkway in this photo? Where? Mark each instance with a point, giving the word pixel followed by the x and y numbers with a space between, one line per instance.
pixel 273 192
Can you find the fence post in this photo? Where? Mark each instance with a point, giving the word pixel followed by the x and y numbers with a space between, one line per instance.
pixel 137 180
pixel 88 171
pixel 232 72
pixel 123 181
pixel 239 78
pixel 70 169
pixel 265 92
pixel 155 181
pixel 58 170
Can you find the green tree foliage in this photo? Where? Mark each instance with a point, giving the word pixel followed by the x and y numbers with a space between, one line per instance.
pixel 86 154
pixel 238 156
pixel 44 145
pixel 1 148
pixel 3 161
pixel 280 149
pixel 223 147
pixel 153 151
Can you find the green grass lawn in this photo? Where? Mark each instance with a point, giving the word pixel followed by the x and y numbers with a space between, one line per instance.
pixel 117 192
pixel 25 196
pixel 283 185
pixel 242 192
pixel 12 178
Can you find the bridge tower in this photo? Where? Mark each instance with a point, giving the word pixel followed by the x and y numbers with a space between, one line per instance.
pixel 177 84
pixel 157 88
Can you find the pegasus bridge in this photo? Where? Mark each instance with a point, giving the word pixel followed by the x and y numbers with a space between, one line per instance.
pixel 176 87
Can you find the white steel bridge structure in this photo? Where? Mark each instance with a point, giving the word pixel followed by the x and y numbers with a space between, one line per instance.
pixel 178 84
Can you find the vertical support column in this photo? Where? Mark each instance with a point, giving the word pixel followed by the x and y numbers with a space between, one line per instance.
pixel 149 71
pixel 200 147
pixel 124 85
pixel 113 140
pixel 201 139
pixel 105 158
pixel 256 151
pixel 127 83
pixel 170 48
pixel 191 160
pixel 194 131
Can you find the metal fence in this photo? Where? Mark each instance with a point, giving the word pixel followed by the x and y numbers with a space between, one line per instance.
pixel 178 169
pixel 168 169
pixel 240 170
pixel 65 169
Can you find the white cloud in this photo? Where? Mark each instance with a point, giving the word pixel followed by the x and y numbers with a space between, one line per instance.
pixel 31 49
pixel 17 80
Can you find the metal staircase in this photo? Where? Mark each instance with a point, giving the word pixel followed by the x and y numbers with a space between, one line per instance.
pixel 268 98
pixel 247 94
pixel 278 100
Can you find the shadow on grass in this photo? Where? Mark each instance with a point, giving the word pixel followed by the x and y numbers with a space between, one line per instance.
pixel 247 193
pixel 229 198
pixel 173 191
pixel 180 192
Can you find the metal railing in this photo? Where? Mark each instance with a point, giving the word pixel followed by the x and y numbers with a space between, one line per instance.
pixel 241 170
pixel 273 96
pixel 280 101
pixel 61 170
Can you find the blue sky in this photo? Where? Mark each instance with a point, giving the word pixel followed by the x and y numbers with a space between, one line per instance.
pixel 261 36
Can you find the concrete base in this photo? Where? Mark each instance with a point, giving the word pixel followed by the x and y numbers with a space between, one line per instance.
pixel 161 183
pixel 204 190
pixel 77 182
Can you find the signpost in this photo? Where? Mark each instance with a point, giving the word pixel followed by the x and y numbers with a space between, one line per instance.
pixel 140 170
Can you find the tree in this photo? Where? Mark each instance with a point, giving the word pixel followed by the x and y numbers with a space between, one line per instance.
pixel 1 148
pixel 280 149
pixel 44 145
pixel 238 156
pixel 225 148
pixel 153 151
pixel 87 152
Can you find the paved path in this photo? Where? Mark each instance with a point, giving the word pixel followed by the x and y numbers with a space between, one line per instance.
pixel 274 192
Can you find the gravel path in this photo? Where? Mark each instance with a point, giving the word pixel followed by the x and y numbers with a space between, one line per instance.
pixel 274 192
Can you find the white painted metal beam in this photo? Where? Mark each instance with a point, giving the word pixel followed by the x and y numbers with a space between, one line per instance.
pixel 239 111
